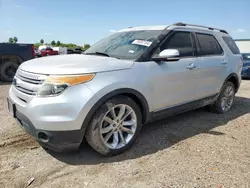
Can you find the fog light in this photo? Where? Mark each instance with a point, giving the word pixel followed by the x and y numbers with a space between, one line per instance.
pixel 43 137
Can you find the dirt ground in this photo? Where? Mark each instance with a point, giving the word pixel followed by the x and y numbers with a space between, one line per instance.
pixel 195 149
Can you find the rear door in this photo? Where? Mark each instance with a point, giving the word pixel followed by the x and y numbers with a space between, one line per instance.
pixel 212 64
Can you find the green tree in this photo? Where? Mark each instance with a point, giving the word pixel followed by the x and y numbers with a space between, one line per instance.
pixel 37 44
pixel 11 40
pixel 70 45
pixel 15 39
pixel 86 46
pixel 41 41
pixel 53 43
pixel 58 43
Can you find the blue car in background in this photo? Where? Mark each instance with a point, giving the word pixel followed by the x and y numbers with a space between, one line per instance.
pixel 246 65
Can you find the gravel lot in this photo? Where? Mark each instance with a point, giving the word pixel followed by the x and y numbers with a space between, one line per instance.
pixel 195 149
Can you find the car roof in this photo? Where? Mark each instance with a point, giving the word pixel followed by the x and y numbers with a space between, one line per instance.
pixel 177 26
pixel 154 27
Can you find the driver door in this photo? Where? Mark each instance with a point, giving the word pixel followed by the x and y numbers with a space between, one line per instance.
pixel 176 82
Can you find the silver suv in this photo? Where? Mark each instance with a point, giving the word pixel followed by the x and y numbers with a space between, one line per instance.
pixel 125 80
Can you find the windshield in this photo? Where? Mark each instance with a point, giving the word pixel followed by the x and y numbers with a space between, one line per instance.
pixel 246 57
pixel 125 45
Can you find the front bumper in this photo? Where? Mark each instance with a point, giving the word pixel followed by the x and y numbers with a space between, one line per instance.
pixel 55 122
pixel 59 141
pixel 65 112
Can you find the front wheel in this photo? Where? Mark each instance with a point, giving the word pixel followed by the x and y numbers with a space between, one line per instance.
pixel 225 100
pixel 115 126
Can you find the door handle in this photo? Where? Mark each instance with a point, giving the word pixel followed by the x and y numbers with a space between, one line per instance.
pixel 191 66
pixel 224 62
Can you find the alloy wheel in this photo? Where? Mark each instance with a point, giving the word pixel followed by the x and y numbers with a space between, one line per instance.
pixel 118 126
pixel 227 98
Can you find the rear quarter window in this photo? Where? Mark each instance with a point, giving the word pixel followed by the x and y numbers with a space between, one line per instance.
pixel 231 45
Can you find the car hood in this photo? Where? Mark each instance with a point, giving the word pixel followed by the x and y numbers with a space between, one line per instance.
pixel 74 64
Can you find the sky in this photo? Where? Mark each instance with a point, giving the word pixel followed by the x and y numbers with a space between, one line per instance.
pixel 87 21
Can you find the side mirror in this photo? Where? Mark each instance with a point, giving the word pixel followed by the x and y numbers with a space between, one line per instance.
pixel 167 55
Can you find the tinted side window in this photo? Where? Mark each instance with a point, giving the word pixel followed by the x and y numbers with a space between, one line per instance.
pixel 181 41
pixel 208 45
pixel 231 45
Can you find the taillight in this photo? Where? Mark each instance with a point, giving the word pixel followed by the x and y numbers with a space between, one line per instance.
pixel 33 51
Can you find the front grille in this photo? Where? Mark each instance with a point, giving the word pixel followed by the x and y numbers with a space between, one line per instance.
pixel 26 91
pixel 28 80
pixel 28 83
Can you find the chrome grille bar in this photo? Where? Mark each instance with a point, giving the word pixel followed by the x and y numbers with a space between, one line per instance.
pixel 28 83
pixel 26 91
pixel 29 80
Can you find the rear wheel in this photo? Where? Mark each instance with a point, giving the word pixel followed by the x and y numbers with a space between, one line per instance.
pixel 225 100
pixel 8 70
pixel 115 126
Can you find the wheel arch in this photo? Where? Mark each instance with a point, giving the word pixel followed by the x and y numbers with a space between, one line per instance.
pixel 233 77
pixel 131 93
pixel 10 57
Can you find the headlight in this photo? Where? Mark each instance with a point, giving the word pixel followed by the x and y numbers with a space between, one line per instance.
pixel 54 85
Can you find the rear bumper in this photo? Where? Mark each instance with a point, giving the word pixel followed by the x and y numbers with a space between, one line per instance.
pixel 59 141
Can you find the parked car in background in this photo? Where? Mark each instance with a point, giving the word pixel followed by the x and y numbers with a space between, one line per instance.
pixel 70 51
pixel 246 65
pixel 132 77
pixel 11 56
pixel 60 49
pixel 38 52
pixel 48 51
pixel 44 47
pixel 77 51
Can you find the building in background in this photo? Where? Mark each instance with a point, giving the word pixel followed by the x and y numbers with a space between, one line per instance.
pixel 243 45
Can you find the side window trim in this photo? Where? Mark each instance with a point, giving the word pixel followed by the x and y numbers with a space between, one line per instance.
pixel 170 35
pixel 195 43
pixel 199 47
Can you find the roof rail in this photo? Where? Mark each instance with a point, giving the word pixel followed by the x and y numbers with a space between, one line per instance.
pixel 201 26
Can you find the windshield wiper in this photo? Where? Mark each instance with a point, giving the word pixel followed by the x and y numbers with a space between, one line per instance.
pixel 101 53
pixel 98 53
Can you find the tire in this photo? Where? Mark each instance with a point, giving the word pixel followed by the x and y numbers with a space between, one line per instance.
pixel 114 145
pixel 8 70
pixel 224 97
pixel 1 79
